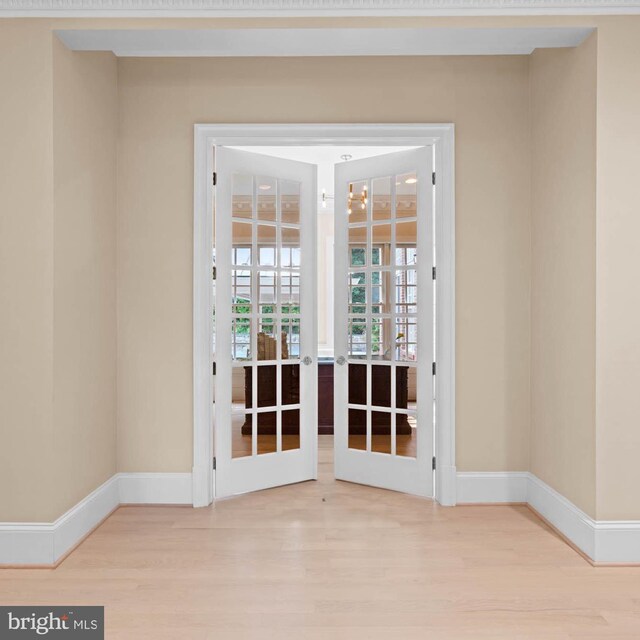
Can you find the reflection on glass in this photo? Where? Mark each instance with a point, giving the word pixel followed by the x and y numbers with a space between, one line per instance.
pixel 290 290
pixel 357 201
pixel 266 193
pixel 358 429
pixel 241 338
pixel 381 431
pixel 406 435
pixel 290 338
pixel 290 384
pixel 406 291
pixel 267 422
pixel 291 429
pixel 357 338
pixel 267 291
pixel 358 384
pixel 406 345
pixel 406 234
pixel 267 385
pixel 381 198
pixel 406 194
pixel 241 291
pixel 242 198
pixel 290 201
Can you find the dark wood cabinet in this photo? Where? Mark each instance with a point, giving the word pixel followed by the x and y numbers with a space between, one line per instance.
pixel 380 393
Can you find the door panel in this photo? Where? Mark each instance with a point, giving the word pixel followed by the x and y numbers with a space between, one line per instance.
pixel 384 299
pixel 265 314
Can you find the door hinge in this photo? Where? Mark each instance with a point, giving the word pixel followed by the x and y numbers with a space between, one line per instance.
pixel 213 368
pixel 433 463
pixel 433 178
pixel 214 273
pixel 215 178
pixel 433 273
pixel 214 463
pixel 433 368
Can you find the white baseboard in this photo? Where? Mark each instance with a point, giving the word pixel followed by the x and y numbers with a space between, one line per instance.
pixel 602 541
pixel 483 487
pixel 44 543
pixel 155 488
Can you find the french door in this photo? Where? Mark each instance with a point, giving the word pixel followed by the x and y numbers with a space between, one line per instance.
pixel 384 310
pixel 265 317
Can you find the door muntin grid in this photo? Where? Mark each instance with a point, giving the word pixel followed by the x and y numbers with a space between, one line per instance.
pixel 382 313
pixel 266 314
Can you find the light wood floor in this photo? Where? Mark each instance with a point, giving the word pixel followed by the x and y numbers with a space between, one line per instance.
pixel 328 560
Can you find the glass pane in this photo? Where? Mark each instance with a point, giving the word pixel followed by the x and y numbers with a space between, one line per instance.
pixel 357 338
pixel 290 201
pixel 377 339
pixel 407 291
pixel 267 422
pixel 357 288
pixel 358 246
pixel 266 198
pixel 242 198
pixel 406 234
pixel 357 203
pixel 406 435
pixel 406 344
pixel 290 291
pixel 267 386
pixel 267 341
pixel 402 387
pixel 290 256
pixel 266 245
pixel 240 419
pixel 381 431
pixel 357 255
pixel 381 245
pixel 290 339
pixel 241 291
pixel 406 195
pixel 358 384
pixel 241 243
pixel 241 338
pixel 406 254
pixel 267 291
pixel 290 384
pixel 381 386
pixel 358 429
pixel 381 198
pixel 291 429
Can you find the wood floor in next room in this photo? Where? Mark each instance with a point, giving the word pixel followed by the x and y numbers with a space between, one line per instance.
pixel 329 560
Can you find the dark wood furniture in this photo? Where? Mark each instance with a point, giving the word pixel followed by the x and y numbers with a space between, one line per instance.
pixel 380 392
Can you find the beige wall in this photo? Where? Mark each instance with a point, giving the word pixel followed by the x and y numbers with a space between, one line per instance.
pixel 85 123
pixel 58 122
pixel 618 274
pixel 161 99
pixel 563 215
pixel 26 263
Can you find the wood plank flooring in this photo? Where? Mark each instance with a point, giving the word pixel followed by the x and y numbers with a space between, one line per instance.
pixel 329 560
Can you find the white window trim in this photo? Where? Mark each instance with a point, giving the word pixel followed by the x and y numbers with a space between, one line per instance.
pixel 207 136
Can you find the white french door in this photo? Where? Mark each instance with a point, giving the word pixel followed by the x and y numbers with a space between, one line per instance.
pixel 384 310
pixel 265 316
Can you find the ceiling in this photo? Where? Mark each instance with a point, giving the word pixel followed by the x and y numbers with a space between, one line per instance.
pixel 300 42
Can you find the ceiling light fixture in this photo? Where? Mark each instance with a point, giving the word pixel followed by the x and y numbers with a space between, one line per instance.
pixel 265 187
pixel 411 181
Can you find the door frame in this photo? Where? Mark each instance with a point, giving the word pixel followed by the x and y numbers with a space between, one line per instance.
pixel 206 138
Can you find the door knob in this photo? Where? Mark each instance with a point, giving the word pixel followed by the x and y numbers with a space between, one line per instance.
pixel 341 360
pixel 307 360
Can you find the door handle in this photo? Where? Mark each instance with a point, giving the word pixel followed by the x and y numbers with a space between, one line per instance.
pixel 341 360
pixel 307 360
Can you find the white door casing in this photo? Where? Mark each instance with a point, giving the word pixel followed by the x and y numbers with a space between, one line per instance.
pixel 375 330
pixel 264 261
pixel 209 137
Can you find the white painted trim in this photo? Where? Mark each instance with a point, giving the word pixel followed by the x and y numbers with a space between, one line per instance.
pixel 602 541
pixel 311 8
pixel 489 487
pixel 328 41
pixel 441 137
pixel 44 543
pixel 155 488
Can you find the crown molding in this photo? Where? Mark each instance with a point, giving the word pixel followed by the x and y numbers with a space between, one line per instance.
pixel 311 8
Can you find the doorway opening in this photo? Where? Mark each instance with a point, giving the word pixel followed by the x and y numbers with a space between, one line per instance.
pixel 327 270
